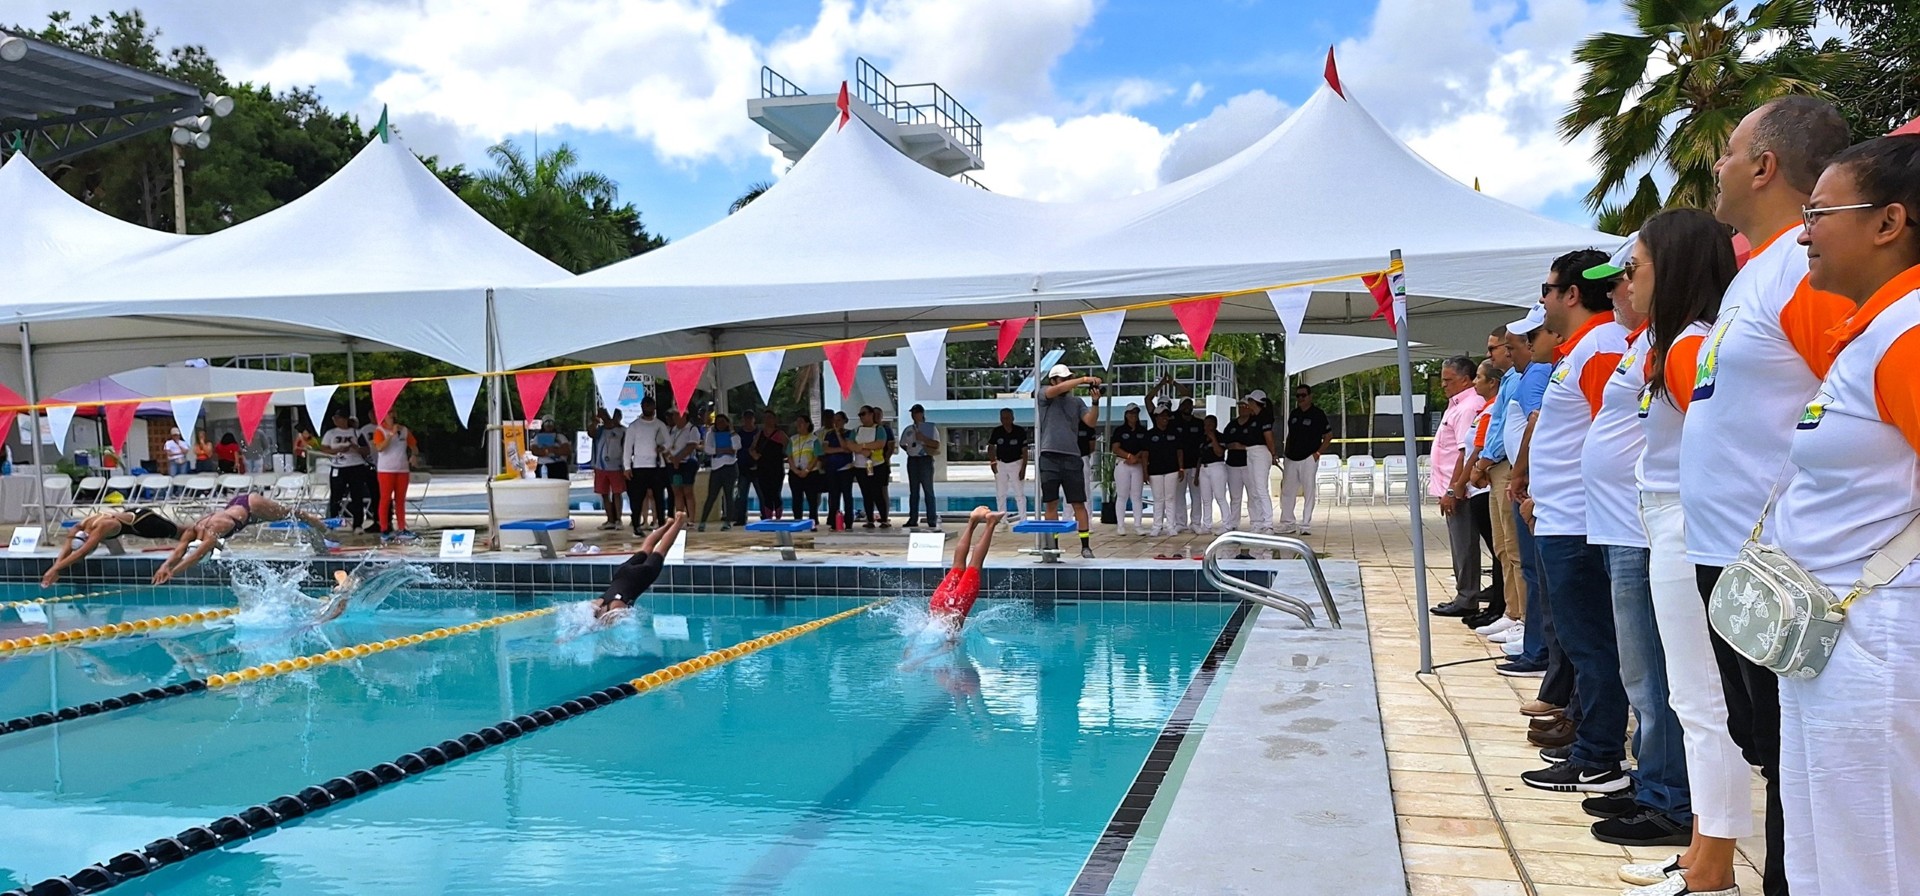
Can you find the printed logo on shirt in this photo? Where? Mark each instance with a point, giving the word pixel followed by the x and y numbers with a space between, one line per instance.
pixel 1560 372
pixel 1709 367
pixel 1646 401
pixel 1626 363
pixel 1816 410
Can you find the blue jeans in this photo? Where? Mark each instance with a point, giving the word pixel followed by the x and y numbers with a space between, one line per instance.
pixel 1534 645
pixel 1661 780
pixel 1582 607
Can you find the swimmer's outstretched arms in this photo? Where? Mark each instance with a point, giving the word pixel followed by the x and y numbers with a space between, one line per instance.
pixel 635 576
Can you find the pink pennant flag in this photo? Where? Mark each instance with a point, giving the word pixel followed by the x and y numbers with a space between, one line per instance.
pixel 119 423
pixel 684 375
pixel 1196 318
pixel 533 385
pixel 844 105
pixel 1010 334
pixel 251 406
pixel 6 420
pixel 384 393
pixel 845 358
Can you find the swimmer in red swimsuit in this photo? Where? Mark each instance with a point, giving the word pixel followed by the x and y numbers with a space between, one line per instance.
pixel 953 600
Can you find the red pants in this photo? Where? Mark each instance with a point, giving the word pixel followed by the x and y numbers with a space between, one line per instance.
pixel 392 494
pixel 956 593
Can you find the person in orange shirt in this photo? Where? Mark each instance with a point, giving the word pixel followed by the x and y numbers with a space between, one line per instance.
pixel 394 453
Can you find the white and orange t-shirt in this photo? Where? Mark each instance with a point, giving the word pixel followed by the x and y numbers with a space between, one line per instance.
pixel 1856 449
pixel 1586 360
pixel 1757 370
pixel 1658 470
pixel 1482 427
pixel 1612 446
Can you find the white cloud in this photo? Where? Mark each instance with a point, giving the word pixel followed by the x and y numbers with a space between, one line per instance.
pixel 1231 127
pixel 1195 93
pixel 1091 156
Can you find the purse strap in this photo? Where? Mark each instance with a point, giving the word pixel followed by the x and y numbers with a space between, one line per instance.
pixel 1887 563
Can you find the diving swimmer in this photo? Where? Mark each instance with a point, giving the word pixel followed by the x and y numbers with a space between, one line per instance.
pixel 238 513
pixel 953 599
pixel 96 528
pixel 635 576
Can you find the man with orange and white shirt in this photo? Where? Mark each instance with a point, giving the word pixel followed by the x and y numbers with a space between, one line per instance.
pixel 1758 368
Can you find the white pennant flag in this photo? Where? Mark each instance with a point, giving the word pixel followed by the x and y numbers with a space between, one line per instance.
pixel 1104 329
pixel 1291 305
pixel 59 419
pixel 608 381
pixel 927 346
pixel 465 390
pixel 766 369
pixel 186 412
pixel 318 397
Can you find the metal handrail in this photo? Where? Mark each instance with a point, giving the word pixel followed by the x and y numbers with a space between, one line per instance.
pixel 873 87
pixel 773 85
pixel 1265 595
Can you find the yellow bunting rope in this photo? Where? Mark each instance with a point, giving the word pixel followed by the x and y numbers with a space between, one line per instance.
pixel 726 655
pixel 8 605
pixel 282 667
pixel 114 630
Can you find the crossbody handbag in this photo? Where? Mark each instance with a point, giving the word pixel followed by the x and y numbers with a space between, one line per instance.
pixel 1772 611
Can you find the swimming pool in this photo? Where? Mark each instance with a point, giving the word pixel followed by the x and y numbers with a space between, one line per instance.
pixel 814 766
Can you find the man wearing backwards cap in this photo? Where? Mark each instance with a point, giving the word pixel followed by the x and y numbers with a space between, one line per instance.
pixel 1057 432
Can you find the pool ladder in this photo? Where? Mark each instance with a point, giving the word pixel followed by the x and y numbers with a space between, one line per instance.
pixel 1266 595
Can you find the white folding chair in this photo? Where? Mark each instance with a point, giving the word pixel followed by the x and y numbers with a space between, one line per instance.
pixel 1331 476
pixel 417 492
pixel 290 490
pixel 87 494
pixel 1362 477
pixel 124 486
pixel 1425 467
pixel 154 489
pixel 264 483
pixel 56 497
pixel 232 484
pixel 198 493
pixel 1395 470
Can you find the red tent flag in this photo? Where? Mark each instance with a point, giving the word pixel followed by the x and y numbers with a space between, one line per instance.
pixel 845 358
pixel 1911 127
pixel 845 106
pixel 1009 334
pixel 1382 297
pixel 119 423
pixel 1333 76
pixel 251 406
pixel 1196 318
pixel 533 385
pixel 384 393
pixel 684 375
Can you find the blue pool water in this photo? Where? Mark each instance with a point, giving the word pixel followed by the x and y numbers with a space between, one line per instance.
pixel 816 766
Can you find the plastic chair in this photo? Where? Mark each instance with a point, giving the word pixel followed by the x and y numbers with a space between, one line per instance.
pixel 1395 470
pixel 417 487
pixel 87 494
pixel 154 489
pixel 264 482
pixel 123 486
pixel 290 490
pixel 1425 467
pixel 232 484
pixel 1362 477
pixel 56 496
pixel 1332 475
pixel 198 493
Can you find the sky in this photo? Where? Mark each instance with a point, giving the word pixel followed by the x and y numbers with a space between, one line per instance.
pixel 1079 98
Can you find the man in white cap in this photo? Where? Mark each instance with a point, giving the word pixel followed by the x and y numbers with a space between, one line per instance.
pixel 1057 439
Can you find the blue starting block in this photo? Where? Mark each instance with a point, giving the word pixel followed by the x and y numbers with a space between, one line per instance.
pixel 1046 540
pixel 542 532
pixel 783 533
pixel 113 545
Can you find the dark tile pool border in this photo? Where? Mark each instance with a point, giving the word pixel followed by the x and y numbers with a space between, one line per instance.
pixel 1103 862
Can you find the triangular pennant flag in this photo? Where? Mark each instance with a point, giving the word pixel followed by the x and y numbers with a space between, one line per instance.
pixel 1333 76
pixel 384 393
pixel 845 106
pixel 1103 327
pixel 533 385
pixel 1476 185
pixel 1911 127
pixel 59 419
pixel 928 345
pixel 607 383
pixel 1382 297
pixel 119 423
pixel 464 390
pixel 845 358
pixel 684 375
pixel 6 421
pixel 1291 305
pixel 1196 318
pixel 383 129
pixel 186 413
pixel 1009 335
pixel 317 399
pixel 766 370
pixel 251 407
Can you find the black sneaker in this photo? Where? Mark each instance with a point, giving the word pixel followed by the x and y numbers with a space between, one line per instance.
pixel 1612 805
pixel 1086 552
pixel 1521 670
pixel 1561 753
pixel 1646 827
pixel 1565 777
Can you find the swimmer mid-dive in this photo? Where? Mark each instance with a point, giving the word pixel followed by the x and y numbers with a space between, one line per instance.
pixel 635 576
pixel 953 599
pixel 238 513
pixel 97 528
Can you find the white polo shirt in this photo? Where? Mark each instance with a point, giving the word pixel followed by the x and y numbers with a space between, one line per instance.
pixel 1758 368
pixel 1658 470
pixel 1612 447
pixel 1856 449
pixel 1566 412
pixel 645 440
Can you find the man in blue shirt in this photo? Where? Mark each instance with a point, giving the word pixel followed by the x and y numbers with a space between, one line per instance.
pixel 1491 470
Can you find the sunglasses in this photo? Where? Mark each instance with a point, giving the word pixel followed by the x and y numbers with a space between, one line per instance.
pixel 1547 289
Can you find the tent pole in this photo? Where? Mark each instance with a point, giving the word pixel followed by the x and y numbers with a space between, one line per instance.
pixel 493 418
pixel 353 406
pixel 33 422
pixel 1398 279
pixel 1038 385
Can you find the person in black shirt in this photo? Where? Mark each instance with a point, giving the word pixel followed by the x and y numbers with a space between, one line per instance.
pixel 1129 441
pixel 1088 438
pixel 1009 464
pixel 1213 477
pixel 1233 441
pixel 1253 434
pixel 1308 434
pixel 1192 434
pixel 1163 468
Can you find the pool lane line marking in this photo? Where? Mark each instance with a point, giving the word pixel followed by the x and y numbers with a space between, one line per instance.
pixel 112 630
pixel 265 817
pixel 1103 861
pixel 253 673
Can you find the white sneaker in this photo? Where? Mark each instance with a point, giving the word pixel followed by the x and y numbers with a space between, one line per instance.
pixel 1497 626
pixel 1676 885
pixel 1514 647
pixel 1512 634
pixel 1647 873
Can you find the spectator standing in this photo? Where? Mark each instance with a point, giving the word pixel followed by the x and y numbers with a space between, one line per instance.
pixel 301 441
pixel 1061 414
pixel 803 469
pixel 1308 435
pixel 1089 441
pixel 836 458
pixel 645 458
pixel 1214 501
pixel 1009 465
pixel 202 452
pixel 769 466
pixel 683 461
pixel 1163 470
pixel 1455 431
pixel 920 441
pixel 369 478
pixel 723 448
pixel 395 451
pixel 609 464
pixel 177 450
pixel 749 430
pixel 1236 438
pixel 1491 470
pixel 1261 459
pixel 347 492
pixel 1129 441
pixel 554 452
pixel 228 458
pixel 869 445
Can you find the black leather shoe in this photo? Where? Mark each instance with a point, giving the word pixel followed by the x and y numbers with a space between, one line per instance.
pixel 1452 609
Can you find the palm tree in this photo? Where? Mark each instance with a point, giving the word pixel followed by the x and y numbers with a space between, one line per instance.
pixel 754 191
pixel 549 206
pixel 1671 93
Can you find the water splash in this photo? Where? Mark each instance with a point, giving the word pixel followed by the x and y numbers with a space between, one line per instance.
pixel 579 639
pixel 379 579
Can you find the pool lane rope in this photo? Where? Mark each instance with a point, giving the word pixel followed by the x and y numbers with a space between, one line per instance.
pixel 112 630
pixel 264 817
pixel 15 604
pixel 254 673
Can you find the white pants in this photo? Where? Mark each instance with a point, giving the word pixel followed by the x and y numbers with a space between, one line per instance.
pixel 1129 486
pixel 1237 486
pixel 1850 756
pixel 1196 500
pixel 1718 776
pixel 1297 480
pixel 1008 481
pixel 1168 492
pixel 1259 488
pixel 1186 503
pixel 1214 497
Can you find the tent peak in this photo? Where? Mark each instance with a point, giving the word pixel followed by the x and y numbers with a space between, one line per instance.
pixel 1333 75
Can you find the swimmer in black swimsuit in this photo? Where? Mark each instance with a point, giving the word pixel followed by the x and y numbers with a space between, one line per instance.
pixel 635 576
pixel 209 530
pixel 96 528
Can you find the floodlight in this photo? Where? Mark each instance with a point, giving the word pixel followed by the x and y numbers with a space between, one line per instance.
pixel 12 49
pixel 182 136
pixel 201 140
pixel 222 106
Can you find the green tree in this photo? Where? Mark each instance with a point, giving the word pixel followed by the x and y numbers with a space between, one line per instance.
pixel 1670 93
pixel 1881 91
pixel 549 205
pixel 754 191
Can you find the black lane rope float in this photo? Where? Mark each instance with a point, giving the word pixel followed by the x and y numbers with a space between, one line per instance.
pixel 264 817
pixel 253 673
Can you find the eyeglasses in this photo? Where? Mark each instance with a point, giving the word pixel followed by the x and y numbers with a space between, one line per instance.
pixel 1810 215
pixel 1627 269
pixel 1547 289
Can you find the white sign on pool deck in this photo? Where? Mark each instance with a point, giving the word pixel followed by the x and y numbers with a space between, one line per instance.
pixel 456 544
pixel 25 540
pixel 926 547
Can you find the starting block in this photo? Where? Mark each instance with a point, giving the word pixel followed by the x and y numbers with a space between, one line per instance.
pixel 542 532
pixel 1046 540
pixel 783 531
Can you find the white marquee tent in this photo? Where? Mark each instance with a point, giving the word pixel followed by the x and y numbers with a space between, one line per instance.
pixel 1318 357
